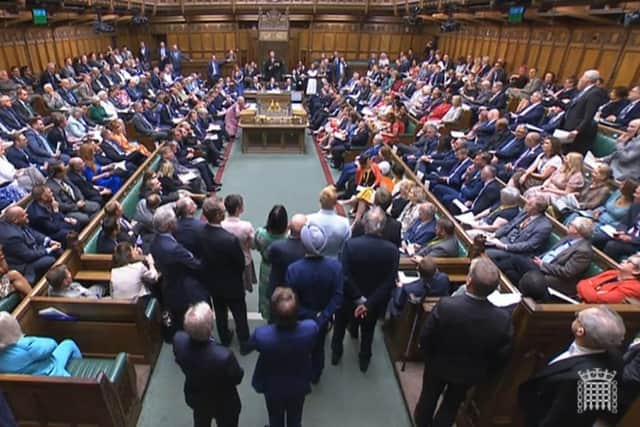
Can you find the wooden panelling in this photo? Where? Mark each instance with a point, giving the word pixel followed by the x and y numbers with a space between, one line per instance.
pixel 566 51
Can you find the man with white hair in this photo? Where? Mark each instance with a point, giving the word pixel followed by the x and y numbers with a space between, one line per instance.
pixel 563 265
pixel 551 396
pixel 212 372
pixel 578 116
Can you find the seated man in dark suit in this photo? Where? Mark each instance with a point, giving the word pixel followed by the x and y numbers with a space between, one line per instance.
pixel 211 370
pixel 550 396
pixel 70 200
pixel 498 99
pixel 422 230
pixel 144 126
pixel 445 244
pixel 23 107
pixel 370 265
pixel 510 149
pixel 189 227
pixel 471 186
pixel 630 112
pixel 392 226
pixel 283 253
pixel 527 234
pixel 8 117
pixel 19 157
pixel 37 144
pixel 533 148
pixel 108 236
pixel 25 249
pixel 466 340
pixel 45 217
pixel 532 114
pixel 489 194
pixel 90 191
pixel 563 265
pixel 431 283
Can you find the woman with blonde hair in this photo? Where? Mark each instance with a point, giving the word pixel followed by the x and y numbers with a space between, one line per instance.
pixel 20 354
pixel 103 176
pixel 172 184
pixel 569 179
pixel 120 137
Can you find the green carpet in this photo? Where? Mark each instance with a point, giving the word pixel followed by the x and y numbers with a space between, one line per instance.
pixel 345 396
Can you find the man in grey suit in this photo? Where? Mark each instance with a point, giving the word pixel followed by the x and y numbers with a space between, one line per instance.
pixel 563 265
pixel 143 126
pixel 445 244
pixel 69 197
pixel 527 234
pixel 625 160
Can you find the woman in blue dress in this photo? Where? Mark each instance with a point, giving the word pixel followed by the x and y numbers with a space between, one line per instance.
pixel 103 176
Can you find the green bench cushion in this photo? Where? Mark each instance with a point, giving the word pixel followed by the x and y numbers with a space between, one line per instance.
pixel 10 302
pixel 90 367
pixel 462 251
pixel 603 145
pixel 593 270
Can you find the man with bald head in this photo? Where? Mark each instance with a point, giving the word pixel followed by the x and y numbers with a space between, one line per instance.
pixel 189 227
pixel 26 250
pixel 283 253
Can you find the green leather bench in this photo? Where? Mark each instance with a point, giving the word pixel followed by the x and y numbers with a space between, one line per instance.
pixel 603 145
pixel 90 367
pixel 10 302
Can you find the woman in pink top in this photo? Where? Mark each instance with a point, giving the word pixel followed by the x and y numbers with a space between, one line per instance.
pixel 244 231
pixel 232 118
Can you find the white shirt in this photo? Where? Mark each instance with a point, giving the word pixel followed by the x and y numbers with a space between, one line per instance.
pixel 7 170
pixel 127 282
pixel 575 350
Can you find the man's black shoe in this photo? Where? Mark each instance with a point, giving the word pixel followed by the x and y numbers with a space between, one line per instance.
pixel 244 348
pixel 335 358
pixel 226 340
pixel 364 364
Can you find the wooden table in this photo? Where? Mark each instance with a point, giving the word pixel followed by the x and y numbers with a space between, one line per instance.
pixel 273 138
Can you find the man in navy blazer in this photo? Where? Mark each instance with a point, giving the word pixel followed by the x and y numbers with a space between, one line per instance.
pixel 26 250
pixel 179 268
pixel 8 117
pixel 370 265
pixel 430 283
pixel 283 253
pixel 18 155
pixel 318 283
pixel 223 268
pixel 189 227
pixel 629 112
pixel 211 371
pixel 470 188
pixel 532 114
pixel 451 176
pixel 283 371
pixel 37 144
pixel 213 70
pixel 489 193
pixel 498 99
pixel 531 152
pixel 510 149
pixel 46 218
pixel 423 228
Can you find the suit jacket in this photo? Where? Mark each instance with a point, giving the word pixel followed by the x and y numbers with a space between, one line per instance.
pixel 370 265
pixel 105 244
pixel 37 146
pixel 466 339
pixel 529 240
pixel 21 245
pixel 497 101
pixel 487 197
pixel 510 149
pixel 85 187
pixel 625 160
pixel 420 232
pixel 180 270
pixel 549 397
pixel 10 119
pixel 58 137
pixel 23 110
pixel 625 115
pixel 48 222
pixel 222 262
pixel 68 96
pixel 188 233
pixel 20 158
pixel 579 116
pixel 142 124
pixel 67 202
pixel 447 248
pixel 211 372
pixel 284 367
pixel 566 269
pixel 391 231
pixel 532 116
pixel 144 55
pixel 318 282
pixel 283 253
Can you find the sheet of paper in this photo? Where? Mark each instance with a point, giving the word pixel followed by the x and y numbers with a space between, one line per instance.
pixel 608 229
pixel 176 120
pixel 590 160
pixel 562 135
pixel 407 277
pixel 466 218
pixel 457 134
pixel 186 177
pixel 121 165
pixel 503 300
pixel 460 205
pixel 561 296
pixel 214 128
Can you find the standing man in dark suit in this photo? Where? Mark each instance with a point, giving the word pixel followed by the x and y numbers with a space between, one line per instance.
pixel 466 340
pixel 163 55
pixel 144 56
pixel 179 268
pixel 223 267
pixel 579 114
pixel 213 71
pixel 392 227
pixel 318 283
pixel 212 372
pixel 370 265
pixel 550 397
pixel 283 253
pixel 189 228
pixel 283 370
pixel 25 249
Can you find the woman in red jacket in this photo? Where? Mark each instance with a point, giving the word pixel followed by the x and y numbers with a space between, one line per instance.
pixel 613 286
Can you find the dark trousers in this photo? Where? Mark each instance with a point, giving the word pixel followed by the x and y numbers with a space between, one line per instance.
pixel 285 409
pixel 432 387
pixel 367 327
pixel 618 250
pixel 317 355
pixel 238 308
pixel 37 268
pixel 203 416
pixel 515 266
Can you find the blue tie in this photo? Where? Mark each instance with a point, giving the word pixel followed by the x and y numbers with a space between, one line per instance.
pixel 552 254
pixel 626 109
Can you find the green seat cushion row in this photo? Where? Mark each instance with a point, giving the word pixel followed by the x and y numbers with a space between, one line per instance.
pixel 90 367
pixel 462 251
pixel 10 302
pixel 603 145
pixel 151 308
pixel 411 128
pixel 593 270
